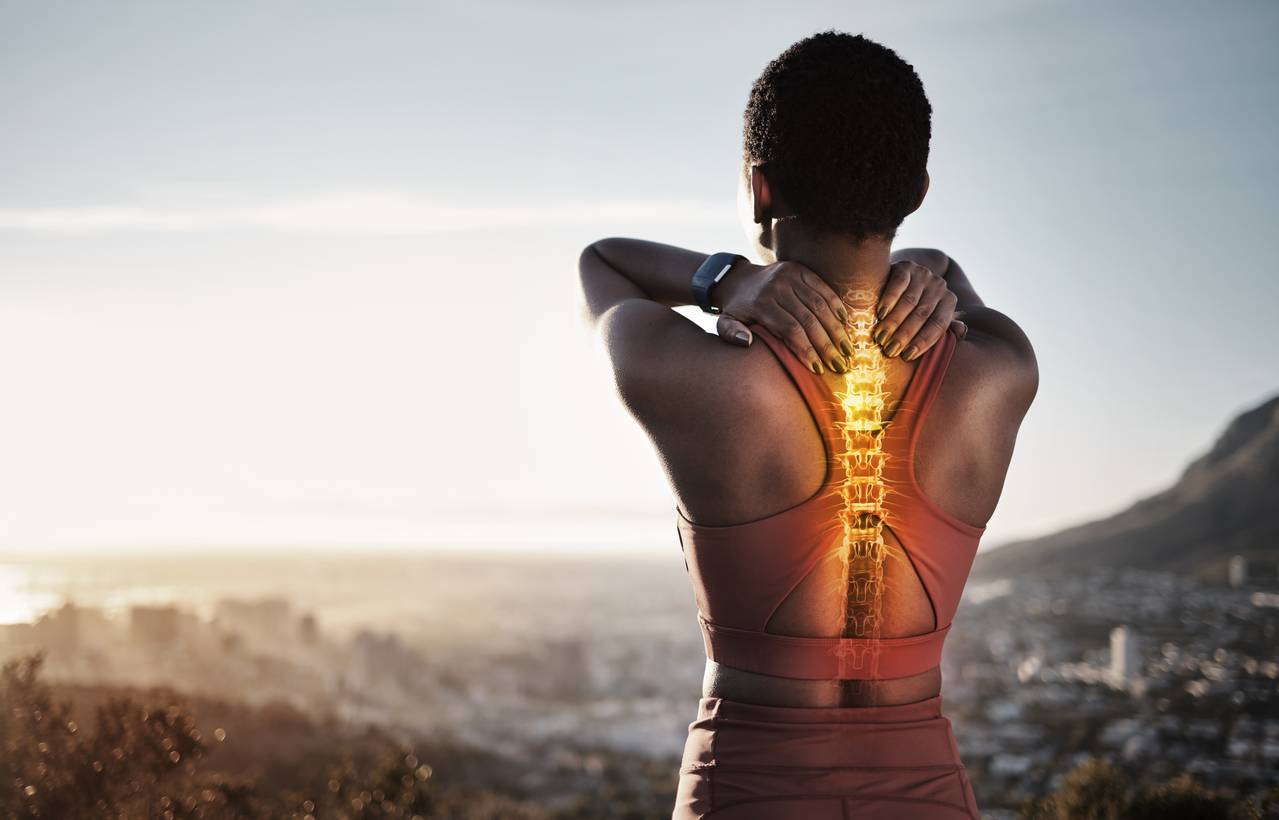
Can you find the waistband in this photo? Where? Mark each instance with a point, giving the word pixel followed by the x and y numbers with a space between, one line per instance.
pixel 749 737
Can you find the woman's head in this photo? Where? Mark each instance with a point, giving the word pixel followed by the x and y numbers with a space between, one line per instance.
pixel 836 135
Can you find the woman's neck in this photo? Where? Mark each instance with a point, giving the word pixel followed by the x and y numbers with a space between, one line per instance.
pixel 848 266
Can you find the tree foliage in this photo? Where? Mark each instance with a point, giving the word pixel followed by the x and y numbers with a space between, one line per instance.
pixel 1097 790
pixel 145 761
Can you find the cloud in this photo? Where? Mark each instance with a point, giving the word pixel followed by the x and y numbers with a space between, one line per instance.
pixel 355 213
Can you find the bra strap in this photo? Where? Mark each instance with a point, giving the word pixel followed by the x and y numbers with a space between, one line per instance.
pixel 925 383
pixel 815 392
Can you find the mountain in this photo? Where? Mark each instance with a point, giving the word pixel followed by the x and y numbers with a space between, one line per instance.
pixel 1226 502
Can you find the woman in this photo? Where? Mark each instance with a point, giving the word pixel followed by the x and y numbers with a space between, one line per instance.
pixel 835 464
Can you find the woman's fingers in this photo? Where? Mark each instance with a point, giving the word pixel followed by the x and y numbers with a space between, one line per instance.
pixel 915 309
pixel 925 325
pixel 798 314
pixel 782 324
pixel 906 304
pixel 826 292
pixel 818 337
pixel 733 330
pixel 899 280
pixel 820 307
pixel 807 297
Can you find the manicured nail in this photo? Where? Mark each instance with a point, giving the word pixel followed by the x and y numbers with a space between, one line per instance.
pixel 742 336
pixel 892 348
pixel 881 311
pixel 910 353
pixel 847 347
pixel 817 368
pixel 842 314
pixel 836 365
pixel 879 335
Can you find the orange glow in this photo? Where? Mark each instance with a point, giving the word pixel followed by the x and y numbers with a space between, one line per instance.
pixel 862 400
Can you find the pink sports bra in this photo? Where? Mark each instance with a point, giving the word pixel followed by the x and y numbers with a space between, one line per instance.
pixel 741 573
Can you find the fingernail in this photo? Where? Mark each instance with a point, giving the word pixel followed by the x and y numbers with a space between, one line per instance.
pixel 817 368
pixel 847 347
pixel 742 336
pixel 892 348
pixel 836 365
pixel 842 314
pixel 910 353
pixel 878 336
pixel 881 311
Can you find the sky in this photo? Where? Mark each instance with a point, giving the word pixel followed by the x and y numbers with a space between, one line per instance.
pixel 286 274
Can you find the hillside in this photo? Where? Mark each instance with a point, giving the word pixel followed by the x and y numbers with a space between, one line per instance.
pixel 1226 502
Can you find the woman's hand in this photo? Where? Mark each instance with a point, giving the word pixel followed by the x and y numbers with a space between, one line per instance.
pixel 800 308
pixel 914 311
pixel 794 304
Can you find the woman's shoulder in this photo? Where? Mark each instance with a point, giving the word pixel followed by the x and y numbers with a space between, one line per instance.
pixel 995 360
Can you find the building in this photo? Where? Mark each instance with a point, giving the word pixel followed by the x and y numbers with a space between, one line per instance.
pixel 264 616
pixel 309 629
pixel 157 625
pixel 1125 657
pixel 59 629
pixel 1238 571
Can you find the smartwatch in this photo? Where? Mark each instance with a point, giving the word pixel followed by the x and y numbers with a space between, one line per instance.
pixel 715 268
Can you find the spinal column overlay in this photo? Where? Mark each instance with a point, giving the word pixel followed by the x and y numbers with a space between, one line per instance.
pixel 861 400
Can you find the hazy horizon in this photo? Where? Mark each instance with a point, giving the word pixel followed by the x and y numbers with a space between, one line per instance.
pixel 566 542
pixel 303 277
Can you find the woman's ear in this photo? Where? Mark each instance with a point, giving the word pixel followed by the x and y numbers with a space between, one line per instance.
pixel 923 192
pixel 761 196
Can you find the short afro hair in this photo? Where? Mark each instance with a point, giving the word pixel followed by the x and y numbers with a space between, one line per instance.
pixel 841 126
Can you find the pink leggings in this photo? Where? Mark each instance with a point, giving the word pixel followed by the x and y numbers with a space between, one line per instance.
pixel 743 761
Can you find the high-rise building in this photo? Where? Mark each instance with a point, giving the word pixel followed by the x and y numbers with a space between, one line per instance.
pixel 1238 571
pixel 1125 656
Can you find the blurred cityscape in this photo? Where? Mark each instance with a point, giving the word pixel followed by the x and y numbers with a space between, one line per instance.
pixel 548 659
pixel 1157 673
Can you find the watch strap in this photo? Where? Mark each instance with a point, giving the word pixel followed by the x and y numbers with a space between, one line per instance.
pixel 715 268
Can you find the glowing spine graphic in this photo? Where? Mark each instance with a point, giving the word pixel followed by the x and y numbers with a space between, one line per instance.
pixel 862 402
